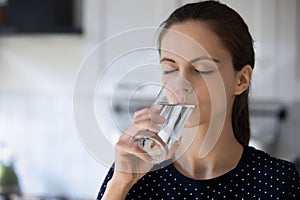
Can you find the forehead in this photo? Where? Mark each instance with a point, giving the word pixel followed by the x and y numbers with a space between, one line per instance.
pixel 192 39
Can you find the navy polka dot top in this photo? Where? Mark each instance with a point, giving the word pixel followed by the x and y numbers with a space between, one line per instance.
pixel 257 176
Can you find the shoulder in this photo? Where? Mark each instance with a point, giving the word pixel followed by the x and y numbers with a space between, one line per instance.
pixel 264 160
pixel 269 169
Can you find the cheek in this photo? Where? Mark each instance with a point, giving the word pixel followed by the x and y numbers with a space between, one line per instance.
pixel 202 90
pixel 229 80
pixel 202 94
pixel 229 85
pixel 212 94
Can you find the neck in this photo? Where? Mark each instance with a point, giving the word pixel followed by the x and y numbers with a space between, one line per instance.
pixel 205 154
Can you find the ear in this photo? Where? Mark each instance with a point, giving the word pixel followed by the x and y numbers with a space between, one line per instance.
pixel 243 79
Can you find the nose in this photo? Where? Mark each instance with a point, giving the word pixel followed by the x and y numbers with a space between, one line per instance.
pixel 181 82
pixel 181 89
pixel 182 86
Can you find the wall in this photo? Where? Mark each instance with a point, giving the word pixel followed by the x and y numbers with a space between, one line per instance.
pixel 275 28
pixel 38 72
pixel 37 76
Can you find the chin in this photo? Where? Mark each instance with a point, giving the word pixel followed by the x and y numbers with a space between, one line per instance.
pixel 192 122
pixel 194 119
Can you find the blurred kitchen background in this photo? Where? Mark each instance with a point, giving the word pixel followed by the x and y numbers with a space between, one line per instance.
pixel 42 44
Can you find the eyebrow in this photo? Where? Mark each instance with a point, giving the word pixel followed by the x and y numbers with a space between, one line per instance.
pixel 193 60
pixel 204 58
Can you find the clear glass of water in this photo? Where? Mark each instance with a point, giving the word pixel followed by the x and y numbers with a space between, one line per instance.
pixel 173 105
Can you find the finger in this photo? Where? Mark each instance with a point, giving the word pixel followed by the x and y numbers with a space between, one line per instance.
pixel 134 128
pixel 156 118
pixel 141 113
pixel 152 113
pixel 147 125
pixel 155 114
pixel 143 124
pixel 126 146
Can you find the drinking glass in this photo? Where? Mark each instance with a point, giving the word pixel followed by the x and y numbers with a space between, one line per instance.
pixel 175 106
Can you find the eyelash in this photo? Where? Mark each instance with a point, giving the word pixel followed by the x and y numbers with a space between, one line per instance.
pixel 205 72
pixel 169 71
pixel 200 72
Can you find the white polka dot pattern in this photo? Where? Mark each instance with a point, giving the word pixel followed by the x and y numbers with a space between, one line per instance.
pixel 257 176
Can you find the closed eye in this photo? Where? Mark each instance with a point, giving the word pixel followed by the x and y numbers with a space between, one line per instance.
pixel 169 68
pixel 169 71
pixel 204 72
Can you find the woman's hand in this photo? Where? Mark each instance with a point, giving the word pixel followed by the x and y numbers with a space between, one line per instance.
pixel 131 162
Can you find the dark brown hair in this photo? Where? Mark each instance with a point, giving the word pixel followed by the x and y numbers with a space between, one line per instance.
pixel 233 32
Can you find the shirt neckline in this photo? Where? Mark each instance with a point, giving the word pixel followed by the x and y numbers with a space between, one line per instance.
pixel 235 170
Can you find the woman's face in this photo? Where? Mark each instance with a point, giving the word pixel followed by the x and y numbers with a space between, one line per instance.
pixel 191 52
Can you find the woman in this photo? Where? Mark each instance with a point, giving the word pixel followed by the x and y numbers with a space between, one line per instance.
pixel 231 169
